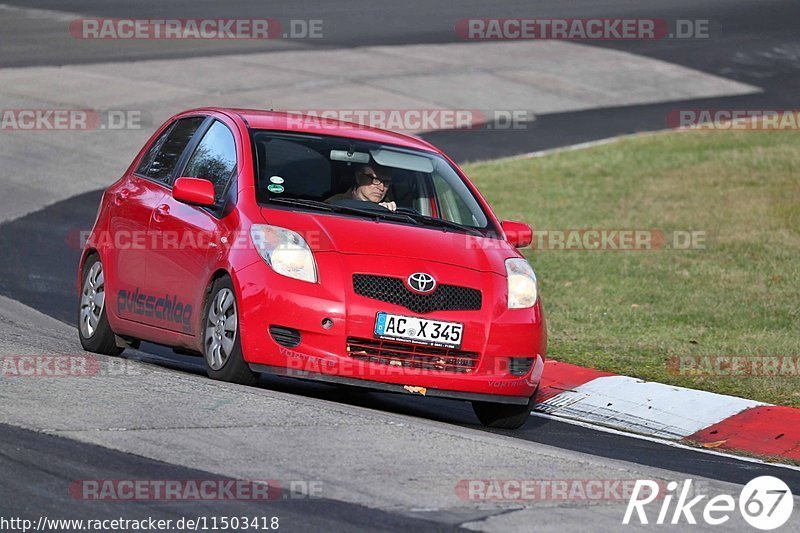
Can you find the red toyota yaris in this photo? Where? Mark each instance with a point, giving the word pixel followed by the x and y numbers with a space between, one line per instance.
pixel 315 249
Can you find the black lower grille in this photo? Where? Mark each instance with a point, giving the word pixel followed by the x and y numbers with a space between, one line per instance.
pixel 393 290
pixel 519 366
pixel 285 336
pixel 403 354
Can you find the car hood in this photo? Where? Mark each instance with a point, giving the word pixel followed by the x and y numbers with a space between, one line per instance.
pixel 363 236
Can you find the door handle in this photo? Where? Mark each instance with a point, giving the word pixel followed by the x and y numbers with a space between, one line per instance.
pixel 121 196
pixel 161 212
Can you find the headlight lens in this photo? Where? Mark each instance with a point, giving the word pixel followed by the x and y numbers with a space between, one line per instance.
pixel 285 251
pixel 522 287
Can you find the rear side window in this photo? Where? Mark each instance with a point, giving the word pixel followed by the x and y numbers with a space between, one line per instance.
pixel 144 164
pixel 160 160
pixel 214 158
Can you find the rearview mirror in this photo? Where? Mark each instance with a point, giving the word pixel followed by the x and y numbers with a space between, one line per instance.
pixel 349 157
pixel 518 234
pixel 194 191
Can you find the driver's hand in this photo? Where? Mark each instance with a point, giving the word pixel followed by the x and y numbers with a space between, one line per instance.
pixel 391 206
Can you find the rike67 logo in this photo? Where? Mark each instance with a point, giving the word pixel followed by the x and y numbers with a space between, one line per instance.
pixel 765 503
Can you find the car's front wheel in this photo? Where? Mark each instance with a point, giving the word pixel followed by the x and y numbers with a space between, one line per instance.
pixel 504 415
pixel 93 328
pixel 222 347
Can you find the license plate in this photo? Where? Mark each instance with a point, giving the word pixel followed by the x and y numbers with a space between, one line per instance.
pixel 419 330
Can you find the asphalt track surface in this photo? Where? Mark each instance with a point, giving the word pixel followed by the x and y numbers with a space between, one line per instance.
pixel 758 44
pixel 48 464
pixel 754 42
pixel 46 245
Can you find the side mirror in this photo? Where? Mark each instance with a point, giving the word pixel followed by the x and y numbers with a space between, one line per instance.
pixel 518 234
pixel 194 191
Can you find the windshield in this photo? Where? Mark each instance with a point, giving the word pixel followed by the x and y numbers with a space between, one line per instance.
pixel 357 178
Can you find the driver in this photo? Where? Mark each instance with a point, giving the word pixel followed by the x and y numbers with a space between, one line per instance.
pixel 372 184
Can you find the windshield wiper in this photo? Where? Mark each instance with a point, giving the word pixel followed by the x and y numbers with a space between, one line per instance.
pixel 406 216
pixel 301 202
pixel 387 215
pixel 444 224
pixel 372 213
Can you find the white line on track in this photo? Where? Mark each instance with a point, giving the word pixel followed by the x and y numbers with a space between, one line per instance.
pixel 34 13
pixel 665 442
pixel 577 146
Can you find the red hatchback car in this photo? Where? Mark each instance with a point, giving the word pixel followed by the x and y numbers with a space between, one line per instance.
pixel 315 249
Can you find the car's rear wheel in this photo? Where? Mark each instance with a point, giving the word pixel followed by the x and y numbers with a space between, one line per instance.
pixel 93 328
pixel 222 347
pixel 504 415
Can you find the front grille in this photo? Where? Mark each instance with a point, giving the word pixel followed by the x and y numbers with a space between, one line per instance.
pixel 403 354
pixel 394 291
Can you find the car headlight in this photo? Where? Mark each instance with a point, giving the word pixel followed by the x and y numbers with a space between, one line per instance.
pixel 522 287
pixel 285 251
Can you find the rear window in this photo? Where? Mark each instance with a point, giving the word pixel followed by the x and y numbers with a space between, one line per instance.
pixel 161 158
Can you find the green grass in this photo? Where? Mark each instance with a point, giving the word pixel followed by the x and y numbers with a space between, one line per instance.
pixel 630 311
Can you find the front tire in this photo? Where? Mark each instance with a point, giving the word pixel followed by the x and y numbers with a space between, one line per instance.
pixel 504 415
pixel 93 328
pixel 222 345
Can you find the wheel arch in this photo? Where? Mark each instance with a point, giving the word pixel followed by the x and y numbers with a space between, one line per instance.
pixel 86 254
pixel 217 274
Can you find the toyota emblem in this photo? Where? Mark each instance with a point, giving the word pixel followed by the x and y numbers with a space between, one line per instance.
pixel 421 282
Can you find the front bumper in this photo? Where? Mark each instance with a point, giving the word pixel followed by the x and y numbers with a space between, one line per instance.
pixel 388 387
pixel 494 332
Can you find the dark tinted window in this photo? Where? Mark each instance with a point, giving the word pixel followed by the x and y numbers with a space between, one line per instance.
pixel 171 148
pixel 214 158
pixel 144 164
pixel 324 169
pixel 301 171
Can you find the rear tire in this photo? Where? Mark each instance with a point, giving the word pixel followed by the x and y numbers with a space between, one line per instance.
pixel 93 328
pixel 222 345
pixel 504 415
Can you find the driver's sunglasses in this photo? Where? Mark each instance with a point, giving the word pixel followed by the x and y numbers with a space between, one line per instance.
pixel 377 181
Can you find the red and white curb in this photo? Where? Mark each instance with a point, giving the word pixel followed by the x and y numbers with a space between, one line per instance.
pixel 668 412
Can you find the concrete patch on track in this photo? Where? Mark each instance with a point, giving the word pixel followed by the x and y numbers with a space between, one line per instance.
pixel 27 332
pixel 43 167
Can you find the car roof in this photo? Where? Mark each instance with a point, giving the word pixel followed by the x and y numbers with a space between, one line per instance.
pixel 296 123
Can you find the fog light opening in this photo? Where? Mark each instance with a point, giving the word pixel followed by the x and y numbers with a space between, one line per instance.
pixel 284 336
pixel 519 366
